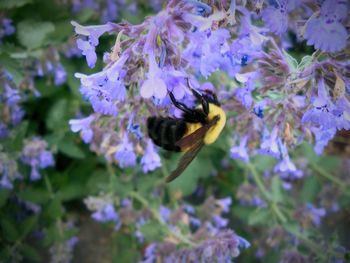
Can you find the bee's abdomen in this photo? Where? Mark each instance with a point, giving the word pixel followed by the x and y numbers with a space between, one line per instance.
pixel 165 132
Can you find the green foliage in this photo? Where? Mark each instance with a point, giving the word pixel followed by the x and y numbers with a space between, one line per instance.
pixel 32 34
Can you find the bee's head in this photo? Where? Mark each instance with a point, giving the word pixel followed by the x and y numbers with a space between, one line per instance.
pixel 210 97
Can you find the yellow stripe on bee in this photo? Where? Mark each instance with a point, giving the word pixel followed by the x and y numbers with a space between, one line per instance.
pixel 214 132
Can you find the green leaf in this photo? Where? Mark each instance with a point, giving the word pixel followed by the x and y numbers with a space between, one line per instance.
pixel 310 189
pixel 276 188
pixel 8 4
pixel 259 216
pixel 54 209
pixel 29 253
pixel 70 149
pixel 39 196
pixel 4 194
pixel 13 67
pixel 292 62
pixel 9 230
pixel 57 115
pixel 152 231
pixel 70 192
pixel 33 34
pixel 263 162
pixel 305 62
pixel 19 135
pixel 28 225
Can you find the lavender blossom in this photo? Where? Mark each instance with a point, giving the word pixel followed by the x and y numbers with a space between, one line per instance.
pixel 225 204
pixel 269 145
pixel 240 152
pixel 286 168
pixel 125 155
pixel 222 247
pixel 321 113
pixel 84 127
pixel 154 85
pixel 36 156
pixel 92 33
pixel 60 75
pixel 6 28
pixel 105 89
pixel 106 214
pixel 326 32
pixel 150 160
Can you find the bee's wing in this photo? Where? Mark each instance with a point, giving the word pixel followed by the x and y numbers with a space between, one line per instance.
pixel 199 134
pixel 185 160
pixel 195 142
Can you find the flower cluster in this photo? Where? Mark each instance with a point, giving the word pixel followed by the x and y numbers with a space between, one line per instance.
pixel 184 42
pixel 36 155
pixel 6 27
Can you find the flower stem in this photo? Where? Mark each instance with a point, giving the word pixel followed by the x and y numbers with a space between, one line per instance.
pixel 157 216
pixel 266 195
pixel 330 177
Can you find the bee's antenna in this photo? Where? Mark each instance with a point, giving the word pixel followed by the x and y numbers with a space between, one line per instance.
pixel 194 92
pixel 200 98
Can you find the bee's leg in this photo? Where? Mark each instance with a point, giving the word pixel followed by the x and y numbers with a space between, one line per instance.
pixel 200 98
pixel 180 105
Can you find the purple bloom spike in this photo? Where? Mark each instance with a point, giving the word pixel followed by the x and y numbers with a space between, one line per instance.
pixel 326 32
pixel 83 126
pixel 154 85
pixel 240 152
pixel 125 155
pixel 150 160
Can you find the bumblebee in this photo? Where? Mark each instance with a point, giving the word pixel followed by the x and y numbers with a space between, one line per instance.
pixel 197 127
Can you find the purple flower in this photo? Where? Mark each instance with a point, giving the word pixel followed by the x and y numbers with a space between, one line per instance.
pixel 240 152
pixel 12 95
pixel 154 85
pixel 134 128
pixel 321 113
pixel 286 167
pixel 60 75
pixel 36 156
pixel 276 19
pixel 219 221
pixel 125 155
pixel 84 126
pixel 17 114
pixel 92 33
pixel 6 183
pixel 209 51
pixel 150 160
pixel 269 145
pixel 46 159
pixel 6 28
pixel 3 130
pixel 322 137
pixel 326 32
pixel 221 247
pixel 88 50
pixel 106 214
pixel 316 213
pixel 104 89
pixel 225 203
pixel 342 114
pixel 244 94
pixel 164 213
